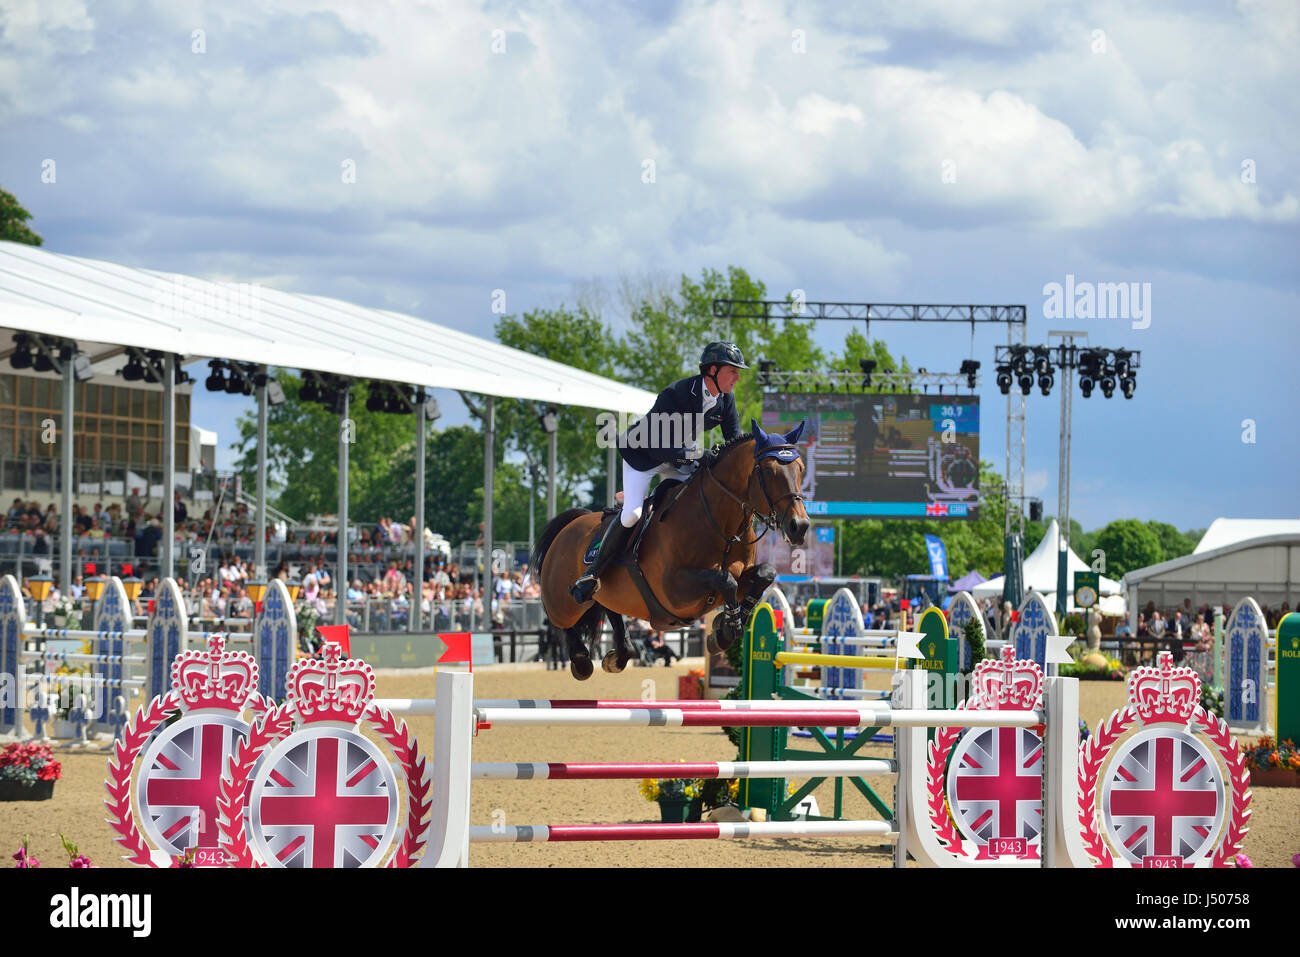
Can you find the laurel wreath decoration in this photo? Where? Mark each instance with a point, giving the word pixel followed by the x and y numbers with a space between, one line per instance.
pixel 1217 731
pixel 407 751
pixel 1091 756
pixel 1095 750
pixel 277 723
pixel 135 734
pixel 945 829
pixel 274 724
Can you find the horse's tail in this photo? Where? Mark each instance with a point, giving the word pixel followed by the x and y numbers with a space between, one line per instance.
pixel 553 528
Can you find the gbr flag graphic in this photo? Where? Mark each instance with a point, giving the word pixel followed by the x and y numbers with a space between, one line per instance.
pixel 180 776
pixel 995 785
pixel 1163 796
pixel 325 797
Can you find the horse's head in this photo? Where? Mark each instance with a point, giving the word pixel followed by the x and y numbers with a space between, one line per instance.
pixel 778 469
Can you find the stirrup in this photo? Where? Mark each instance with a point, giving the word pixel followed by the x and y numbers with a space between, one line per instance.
pixel 584 588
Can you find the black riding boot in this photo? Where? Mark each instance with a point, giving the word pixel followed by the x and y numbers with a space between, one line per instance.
pixel 610 546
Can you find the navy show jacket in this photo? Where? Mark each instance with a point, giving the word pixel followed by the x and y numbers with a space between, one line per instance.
pixel 685 397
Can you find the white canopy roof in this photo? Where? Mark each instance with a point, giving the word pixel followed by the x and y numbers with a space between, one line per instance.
pixel 106 306
pixel 1229 531
pixel 1040 575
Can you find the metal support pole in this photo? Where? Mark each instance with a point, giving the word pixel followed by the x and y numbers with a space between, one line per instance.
pixel 550 475
pixel 341 573
pixel 169 467
pixel 489 467
pixel 66 526
pixel 415 619
pixel 612 476
pixel 532 502
pixel 1067 357
pixel 259 548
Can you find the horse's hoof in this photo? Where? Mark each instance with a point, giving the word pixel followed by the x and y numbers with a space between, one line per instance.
pixel 712 644
pixel 612 664
pixel 580 667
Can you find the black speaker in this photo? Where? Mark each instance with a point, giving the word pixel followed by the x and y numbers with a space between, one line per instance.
pixel 1035 511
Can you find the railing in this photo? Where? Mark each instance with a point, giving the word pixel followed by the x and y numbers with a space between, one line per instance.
pixel 35 475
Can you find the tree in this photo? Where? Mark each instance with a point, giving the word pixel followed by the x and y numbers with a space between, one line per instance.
pixel 303 451
pixel 13 222
pixel 1127 544
pixel 580 339
pixel 1173 543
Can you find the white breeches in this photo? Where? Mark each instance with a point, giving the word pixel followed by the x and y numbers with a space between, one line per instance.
pixel 636 485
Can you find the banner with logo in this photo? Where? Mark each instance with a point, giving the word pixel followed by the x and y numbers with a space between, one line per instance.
pixel 938 556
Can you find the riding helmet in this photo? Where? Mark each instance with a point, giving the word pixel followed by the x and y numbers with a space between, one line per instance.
pixel 723 354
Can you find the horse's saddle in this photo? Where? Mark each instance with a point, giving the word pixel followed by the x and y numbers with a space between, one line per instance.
pixel 657 503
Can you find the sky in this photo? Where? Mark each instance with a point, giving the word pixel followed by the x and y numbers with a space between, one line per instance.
pixel 421 156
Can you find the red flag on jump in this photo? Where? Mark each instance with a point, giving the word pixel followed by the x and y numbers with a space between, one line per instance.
pixel 338 633
pixel 458 648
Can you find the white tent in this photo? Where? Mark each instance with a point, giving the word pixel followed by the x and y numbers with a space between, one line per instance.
pixel 1224 532
pixel 1040 575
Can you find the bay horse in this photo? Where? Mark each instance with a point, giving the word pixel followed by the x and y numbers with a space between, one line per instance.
pixel 695 550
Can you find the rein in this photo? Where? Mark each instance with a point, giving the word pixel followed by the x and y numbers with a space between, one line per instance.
pixel 770 521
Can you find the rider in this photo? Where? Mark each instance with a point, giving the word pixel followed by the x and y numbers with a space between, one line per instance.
pixel 709 393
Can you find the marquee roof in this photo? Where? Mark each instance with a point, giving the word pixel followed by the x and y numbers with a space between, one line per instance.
pixel 107 307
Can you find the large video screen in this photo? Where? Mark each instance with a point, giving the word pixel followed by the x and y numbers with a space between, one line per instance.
pixel 884 455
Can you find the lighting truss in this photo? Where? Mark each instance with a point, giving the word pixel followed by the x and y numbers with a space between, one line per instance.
pixel 835 380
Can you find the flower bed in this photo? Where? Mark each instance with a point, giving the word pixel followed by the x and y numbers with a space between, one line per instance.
pixel 28 772
pixel 1274 765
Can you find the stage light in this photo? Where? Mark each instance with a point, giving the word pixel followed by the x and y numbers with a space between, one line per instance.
pixel 310 391
pixel 132 371
pixel 1127 385
pixel 969 367
pixel 1042 364
pixel 1004 378
pixel 1025 381
pixel 1045 382
pixel 215 382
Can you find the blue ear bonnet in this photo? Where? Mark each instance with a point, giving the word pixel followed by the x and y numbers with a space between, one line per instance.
pixel 775 445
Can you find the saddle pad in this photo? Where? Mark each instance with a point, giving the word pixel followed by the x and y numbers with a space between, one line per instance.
pixel 655 502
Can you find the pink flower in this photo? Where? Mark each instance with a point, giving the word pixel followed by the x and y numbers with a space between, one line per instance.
pixel 1295 860
pixel 1243 861
pixel 25 859
pixel 81 860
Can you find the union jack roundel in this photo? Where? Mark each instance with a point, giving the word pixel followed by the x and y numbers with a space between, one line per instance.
pixel 324 797
pixel 179 779
pixel 1163 796
pixel 995 785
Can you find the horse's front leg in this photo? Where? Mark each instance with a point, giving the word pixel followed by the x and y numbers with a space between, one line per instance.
pixel 729 625
pixel 754 580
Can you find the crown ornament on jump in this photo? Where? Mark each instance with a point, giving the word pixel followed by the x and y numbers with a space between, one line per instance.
pixel 324 795
pixel 215 678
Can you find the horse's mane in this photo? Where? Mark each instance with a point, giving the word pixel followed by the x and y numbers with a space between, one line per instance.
pixel 721 450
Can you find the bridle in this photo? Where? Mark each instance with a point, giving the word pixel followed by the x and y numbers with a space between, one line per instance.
pixel 770 521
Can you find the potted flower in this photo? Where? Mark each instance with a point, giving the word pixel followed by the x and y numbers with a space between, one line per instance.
pixel 307 616
pixel 680 799
pixel 28 772
pixel 65 613
pixel 1274 765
